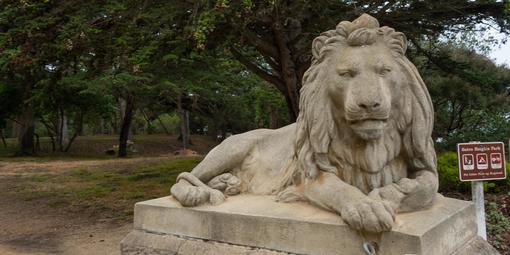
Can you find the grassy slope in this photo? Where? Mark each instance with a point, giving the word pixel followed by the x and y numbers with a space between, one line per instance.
pixel 109 189
pixel 87 180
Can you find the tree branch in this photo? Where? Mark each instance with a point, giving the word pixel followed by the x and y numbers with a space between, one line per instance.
pixel 264 47
pixel 288 69
pixel 257 70
pixel 275 66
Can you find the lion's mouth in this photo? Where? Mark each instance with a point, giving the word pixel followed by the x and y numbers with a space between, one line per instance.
pixel 369 129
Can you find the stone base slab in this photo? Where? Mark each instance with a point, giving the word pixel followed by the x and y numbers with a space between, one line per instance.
pixel 144 243
pixel 247 224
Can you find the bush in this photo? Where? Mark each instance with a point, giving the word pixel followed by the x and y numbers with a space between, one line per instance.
pixel 447 167
pixel 497 225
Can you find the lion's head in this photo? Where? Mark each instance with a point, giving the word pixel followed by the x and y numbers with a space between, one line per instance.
pixel 363 104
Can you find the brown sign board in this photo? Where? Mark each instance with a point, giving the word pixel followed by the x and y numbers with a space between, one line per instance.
pixel 481 161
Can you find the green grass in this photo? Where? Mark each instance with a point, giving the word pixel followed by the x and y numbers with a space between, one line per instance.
pixel 110 187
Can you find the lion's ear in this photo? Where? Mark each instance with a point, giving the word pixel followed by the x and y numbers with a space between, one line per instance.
pixel 400 41
pixel 395 40
pixel 317 45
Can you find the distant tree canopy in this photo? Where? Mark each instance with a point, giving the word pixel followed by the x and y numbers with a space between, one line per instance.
pixel 472 103
pixel 220 65
pixel 64 64
pixel 273 38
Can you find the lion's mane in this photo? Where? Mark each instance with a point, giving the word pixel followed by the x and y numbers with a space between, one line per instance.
pixel 410 124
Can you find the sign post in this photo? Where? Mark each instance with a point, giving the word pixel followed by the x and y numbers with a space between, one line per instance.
pixel 479 200
pixel 479 162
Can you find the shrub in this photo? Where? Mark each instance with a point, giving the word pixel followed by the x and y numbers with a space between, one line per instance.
pixel 447 167
pixel 497 225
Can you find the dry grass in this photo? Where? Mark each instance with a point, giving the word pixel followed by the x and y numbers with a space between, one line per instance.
pixel 87 181
pixel 103 189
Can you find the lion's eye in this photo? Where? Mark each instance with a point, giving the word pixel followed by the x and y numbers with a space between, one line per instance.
pixel 347 73
pixel 384 71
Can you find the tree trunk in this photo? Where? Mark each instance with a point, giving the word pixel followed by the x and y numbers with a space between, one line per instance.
pixel 122 110
pixel 26 132
pixel 78 131
pixel 50 134
pixel 185 128
pixel 3 138
pixel 126 124
pixel 288 70
pixel 16 127
pixel 286 74
pixel 184 118
pixel 63 131
pixel 37 142
pixel 273 119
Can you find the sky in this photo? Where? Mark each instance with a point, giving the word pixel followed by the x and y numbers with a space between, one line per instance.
pixel 502 54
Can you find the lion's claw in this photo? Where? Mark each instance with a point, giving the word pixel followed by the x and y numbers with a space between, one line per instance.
pixel 369 215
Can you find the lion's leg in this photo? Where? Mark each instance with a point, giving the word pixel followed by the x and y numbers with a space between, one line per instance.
pixel 224 157
pixel 420 191
pixel 331 193
pixel 409 195
pixel 356 209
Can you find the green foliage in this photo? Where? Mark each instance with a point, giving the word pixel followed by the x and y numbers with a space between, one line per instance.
pixel 469 96
pixel 497 224
pixel 447 167
pixel 79 58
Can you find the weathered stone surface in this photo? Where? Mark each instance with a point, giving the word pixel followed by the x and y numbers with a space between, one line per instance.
pixel 477 246
pixel 144 243
pixel 247 221
pixel 361 146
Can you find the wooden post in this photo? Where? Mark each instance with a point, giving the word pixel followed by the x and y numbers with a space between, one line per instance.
pixel 478 199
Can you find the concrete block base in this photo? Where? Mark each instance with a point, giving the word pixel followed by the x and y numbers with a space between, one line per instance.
pixel 248 224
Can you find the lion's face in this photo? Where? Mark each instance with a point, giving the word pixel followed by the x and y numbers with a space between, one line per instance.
pixel 362 82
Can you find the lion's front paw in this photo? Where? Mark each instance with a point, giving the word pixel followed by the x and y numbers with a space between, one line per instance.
pixel 189 195
pixel 369 215
pixel 216 197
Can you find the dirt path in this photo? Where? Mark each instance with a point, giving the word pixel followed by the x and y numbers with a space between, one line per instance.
pixel 34 227
pixel 29 228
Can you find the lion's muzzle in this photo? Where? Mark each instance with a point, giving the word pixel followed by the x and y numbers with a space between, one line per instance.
pixel 369 129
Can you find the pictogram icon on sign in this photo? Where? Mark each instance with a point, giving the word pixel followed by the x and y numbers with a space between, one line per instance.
pixel 481 161
pixel 496 160
pixel 468 162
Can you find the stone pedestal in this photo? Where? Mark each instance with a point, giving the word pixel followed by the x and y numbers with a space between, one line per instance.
pixel 247 224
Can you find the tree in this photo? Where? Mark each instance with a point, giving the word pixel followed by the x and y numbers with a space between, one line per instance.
pixel 272 38
pixel 25 33
pixel 471 101
pixel 47 57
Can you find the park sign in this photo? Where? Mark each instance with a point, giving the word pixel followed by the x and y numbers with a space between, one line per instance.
pixel 481 161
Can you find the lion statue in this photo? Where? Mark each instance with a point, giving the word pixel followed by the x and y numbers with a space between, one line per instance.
pixel 361 146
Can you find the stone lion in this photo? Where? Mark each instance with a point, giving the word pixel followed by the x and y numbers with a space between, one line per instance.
pixel 361 146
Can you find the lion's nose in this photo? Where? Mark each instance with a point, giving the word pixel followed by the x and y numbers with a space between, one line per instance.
pixel 369 107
